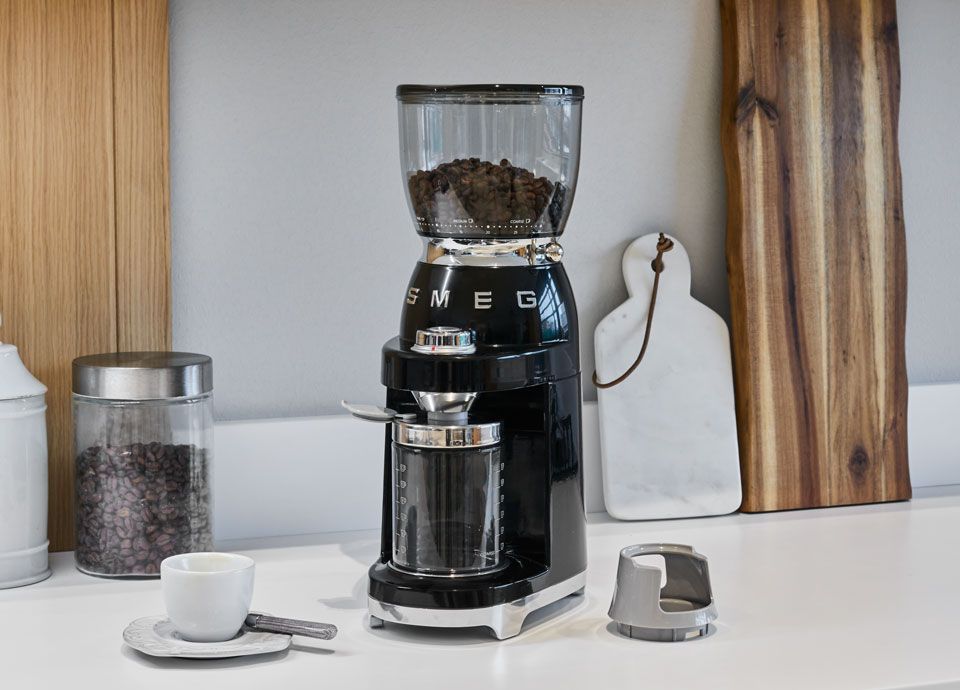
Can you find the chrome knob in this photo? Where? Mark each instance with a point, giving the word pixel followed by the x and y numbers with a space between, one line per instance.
pixel 553 251
pixel 445 340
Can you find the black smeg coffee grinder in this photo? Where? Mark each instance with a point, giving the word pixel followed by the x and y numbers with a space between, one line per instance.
pixel 483 517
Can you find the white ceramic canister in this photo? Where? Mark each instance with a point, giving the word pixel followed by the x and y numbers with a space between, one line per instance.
pixel 23 473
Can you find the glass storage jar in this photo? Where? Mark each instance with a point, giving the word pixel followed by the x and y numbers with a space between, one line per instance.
pixel 143 432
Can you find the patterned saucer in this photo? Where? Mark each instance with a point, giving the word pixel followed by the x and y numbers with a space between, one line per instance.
pixel 154 635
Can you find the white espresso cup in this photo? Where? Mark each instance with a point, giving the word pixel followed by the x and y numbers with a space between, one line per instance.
pixel 207 594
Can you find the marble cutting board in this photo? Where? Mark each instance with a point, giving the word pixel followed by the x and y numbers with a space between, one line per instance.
pixel 668 433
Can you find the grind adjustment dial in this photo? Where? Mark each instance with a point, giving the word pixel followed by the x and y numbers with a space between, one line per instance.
pixel 552 251
pixel 445 340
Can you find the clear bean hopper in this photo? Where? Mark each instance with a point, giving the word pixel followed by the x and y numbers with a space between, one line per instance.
pixel 489 161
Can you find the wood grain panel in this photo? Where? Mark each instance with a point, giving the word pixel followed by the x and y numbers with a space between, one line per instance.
pixel 141 100
pixel 57 279
pixel 815 250
pixel 63 186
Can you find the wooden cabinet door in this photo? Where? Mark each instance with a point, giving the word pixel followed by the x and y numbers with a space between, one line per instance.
pixel 84 196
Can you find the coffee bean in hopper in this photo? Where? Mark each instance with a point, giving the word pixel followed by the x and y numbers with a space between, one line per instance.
pixel 468 196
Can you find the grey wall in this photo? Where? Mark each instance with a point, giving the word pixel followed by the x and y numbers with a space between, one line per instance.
pixel 930 161
pixel 291 239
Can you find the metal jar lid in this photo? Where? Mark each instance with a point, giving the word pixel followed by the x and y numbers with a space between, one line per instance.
pixel 142 375
pixel 446 435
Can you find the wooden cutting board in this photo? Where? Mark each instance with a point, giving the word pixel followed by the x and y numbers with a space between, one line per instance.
pixel 816 250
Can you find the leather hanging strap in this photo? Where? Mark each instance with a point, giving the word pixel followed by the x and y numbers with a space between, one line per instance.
pixel 664 244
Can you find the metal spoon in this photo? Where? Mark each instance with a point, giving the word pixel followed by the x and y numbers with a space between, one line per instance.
pixel 290 626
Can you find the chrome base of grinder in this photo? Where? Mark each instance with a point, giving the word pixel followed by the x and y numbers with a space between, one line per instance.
pixel 505 620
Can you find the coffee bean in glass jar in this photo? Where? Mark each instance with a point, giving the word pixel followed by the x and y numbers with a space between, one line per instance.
pixel 143 446
pixel 476 198
pixel 138 504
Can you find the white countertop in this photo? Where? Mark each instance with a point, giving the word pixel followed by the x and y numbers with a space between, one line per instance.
pixel 859 597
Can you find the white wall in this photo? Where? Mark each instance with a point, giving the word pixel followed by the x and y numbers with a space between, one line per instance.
pixel 292 244
pixel 301 490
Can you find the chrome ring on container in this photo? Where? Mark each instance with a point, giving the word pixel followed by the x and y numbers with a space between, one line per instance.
pixel 446 435
pixel 529 251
